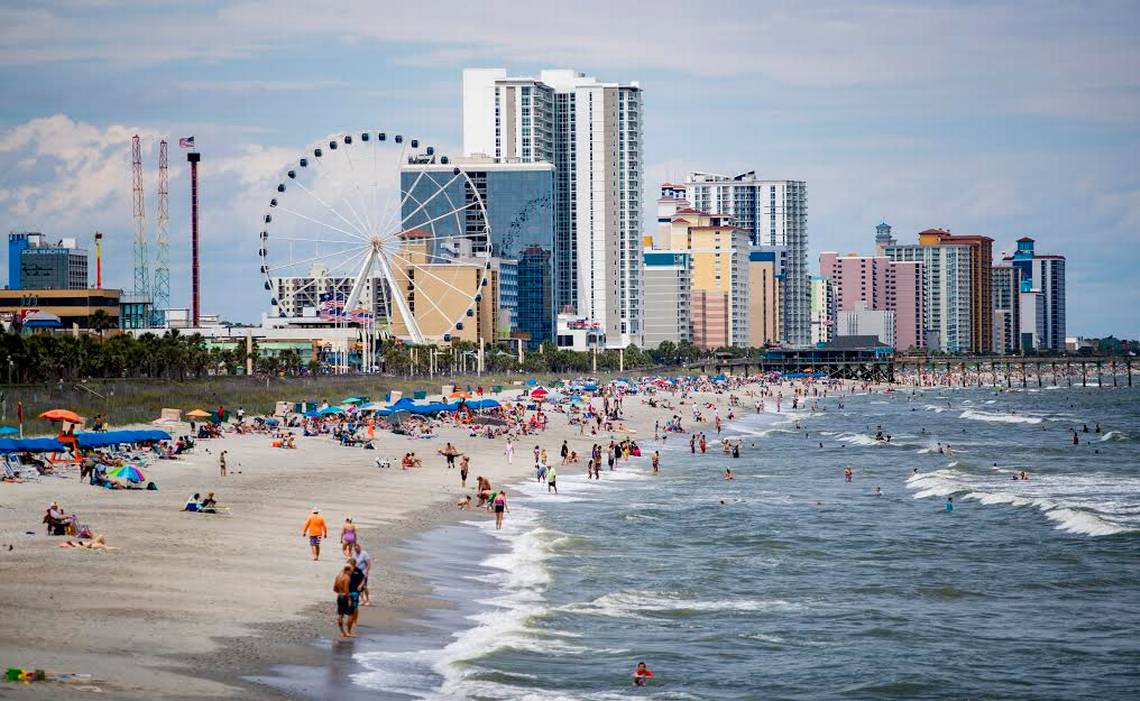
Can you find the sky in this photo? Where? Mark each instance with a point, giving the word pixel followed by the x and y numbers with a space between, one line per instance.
pixel 1000 118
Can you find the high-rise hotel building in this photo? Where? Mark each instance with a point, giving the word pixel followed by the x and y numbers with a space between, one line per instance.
pixel 592 132
pixel 774 213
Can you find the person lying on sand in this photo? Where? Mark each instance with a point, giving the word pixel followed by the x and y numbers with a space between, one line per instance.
pixel 97 542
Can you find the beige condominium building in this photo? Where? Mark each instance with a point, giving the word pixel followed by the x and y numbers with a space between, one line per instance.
pixel 438 294
pixel 765 269
pixel 718 255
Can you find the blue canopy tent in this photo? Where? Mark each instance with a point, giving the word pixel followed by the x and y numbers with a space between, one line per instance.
pixel 48 444
pixel 106 438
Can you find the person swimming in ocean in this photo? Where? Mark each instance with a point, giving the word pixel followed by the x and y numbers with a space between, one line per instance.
pixel 642 675
pixel 949 504
pixel 728 473
pixel 878 491
pixel 847 473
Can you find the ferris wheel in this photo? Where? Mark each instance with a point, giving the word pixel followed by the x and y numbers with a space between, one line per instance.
pixel 376 230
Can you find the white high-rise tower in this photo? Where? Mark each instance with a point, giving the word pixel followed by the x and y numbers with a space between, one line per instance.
pixel 591 131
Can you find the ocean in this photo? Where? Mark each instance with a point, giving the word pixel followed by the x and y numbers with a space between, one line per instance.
pixel 789 582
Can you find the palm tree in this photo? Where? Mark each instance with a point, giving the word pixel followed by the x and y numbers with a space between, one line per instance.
pixel 100 321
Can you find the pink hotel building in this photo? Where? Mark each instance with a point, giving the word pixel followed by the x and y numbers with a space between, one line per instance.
pixel 882 285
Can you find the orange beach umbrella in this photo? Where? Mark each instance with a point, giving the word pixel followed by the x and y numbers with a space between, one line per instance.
pixel 62 415
pixel 198 413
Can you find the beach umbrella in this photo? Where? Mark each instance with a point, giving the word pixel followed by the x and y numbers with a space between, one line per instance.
pixel 62 415
pixel 460 394
pixel 8 430
pixel 351 400
pixel 539 393
pixel 127 472
pixel 198 414
pixel 327 411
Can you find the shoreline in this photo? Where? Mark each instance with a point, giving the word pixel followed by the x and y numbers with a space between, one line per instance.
pixel 416 610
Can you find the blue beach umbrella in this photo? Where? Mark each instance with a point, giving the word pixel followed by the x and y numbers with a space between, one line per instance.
pixel 8 430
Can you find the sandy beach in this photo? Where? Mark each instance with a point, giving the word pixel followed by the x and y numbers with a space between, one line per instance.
pixel 186 605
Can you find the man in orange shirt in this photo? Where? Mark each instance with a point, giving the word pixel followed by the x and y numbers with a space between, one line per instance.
pixel 316 529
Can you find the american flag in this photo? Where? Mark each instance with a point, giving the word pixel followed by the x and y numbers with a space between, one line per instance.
pixel 186 142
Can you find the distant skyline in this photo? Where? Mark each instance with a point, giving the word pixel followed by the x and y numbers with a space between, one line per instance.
pixel 1005 119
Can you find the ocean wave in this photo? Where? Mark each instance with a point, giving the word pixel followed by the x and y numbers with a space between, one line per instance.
pixel 1115 436
pixel 1086 504
pixel 636 604
pixel 975 415
pixel 859 439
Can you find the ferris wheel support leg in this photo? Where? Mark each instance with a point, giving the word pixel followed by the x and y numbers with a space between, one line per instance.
pixel 401 302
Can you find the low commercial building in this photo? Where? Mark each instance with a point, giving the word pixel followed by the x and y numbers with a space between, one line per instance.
pixel 861 321
pixel 73 307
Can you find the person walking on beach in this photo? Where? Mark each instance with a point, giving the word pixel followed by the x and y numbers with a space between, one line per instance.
pixel 222 463
pixel 449 453
pixel 364 564
pixel 510 450
pixel 347 536
pixel 464 468
pixel 315 528
pixel 551 477
pixel 356 581
pixel 565 452
pixel 500 508
pixel 343 600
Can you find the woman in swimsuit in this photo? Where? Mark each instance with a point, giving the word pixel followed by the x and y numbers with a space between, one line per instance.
pixel 348 536
pixel 500 508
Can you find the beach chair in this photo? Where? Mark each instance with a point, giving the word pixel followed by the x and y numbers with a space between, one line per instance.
pixel 10 472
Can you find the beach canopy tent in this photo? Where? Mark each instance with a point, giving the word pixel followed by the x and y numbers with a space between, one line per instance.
pixel 106 438
pixel 8 430
pixel 47 444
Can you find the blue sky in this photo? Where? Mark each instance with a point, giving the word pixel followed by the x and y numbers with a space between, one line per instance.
pixel 1002 118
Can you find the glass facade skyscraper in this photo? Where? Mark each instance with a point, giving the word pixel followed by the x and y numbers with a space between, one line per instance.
pixel 519 199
